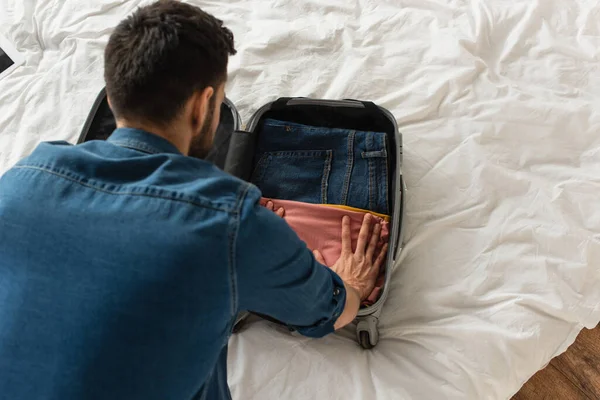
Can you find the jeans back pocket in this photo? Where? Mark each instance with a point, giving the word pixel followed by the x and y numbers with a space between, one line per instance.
pixel 300 175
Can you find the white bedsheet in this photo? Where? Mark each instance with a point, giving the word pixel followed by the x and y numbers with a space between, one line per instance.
pixel 499 103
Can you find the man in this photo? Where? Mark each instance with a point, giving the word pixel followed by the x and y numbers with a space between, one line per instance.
pixel 123 263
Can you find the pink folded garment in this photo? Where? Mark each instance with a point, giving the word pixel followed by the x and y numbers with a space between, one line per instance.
pixel 320 227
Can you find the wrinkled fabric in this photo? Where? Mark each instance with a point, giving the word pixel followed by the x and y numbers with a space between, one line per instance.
pixel 320 227
pixel 123 265
pixel 322 165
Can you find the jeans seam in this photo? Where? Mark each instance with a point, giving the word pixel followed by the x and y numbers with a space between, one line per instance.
pixel 296 153
pixel 156 196
pixel 325 178
pixel 235 222
pixel 349 167
pixel 371 173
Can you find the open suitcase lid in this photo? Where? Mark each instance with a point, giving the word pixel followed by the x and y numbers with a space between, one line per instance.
pixel 100 124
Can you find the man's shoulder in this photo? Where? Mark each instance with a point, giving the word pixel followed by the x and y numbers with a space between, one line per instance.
pixel 173 177
pixel 210 184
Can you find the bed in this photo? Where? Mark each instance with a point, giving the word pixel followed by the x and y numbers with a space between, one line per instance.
pixel 499 104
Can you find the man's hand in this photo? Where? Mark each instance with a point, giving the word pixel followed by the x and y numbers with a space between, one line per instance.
pixel 359 268
pixel 280 211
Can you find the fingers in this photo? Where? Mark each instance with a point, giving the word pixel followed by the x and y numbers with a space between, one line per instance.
pixel 363 235
pixel 271 206
pixel 319 257
pixel 380 258
pixel 373 242
pixel 346 236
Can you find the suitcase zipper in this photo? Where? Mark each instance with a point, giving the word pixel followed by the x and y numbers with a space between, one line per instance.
pixel 331 103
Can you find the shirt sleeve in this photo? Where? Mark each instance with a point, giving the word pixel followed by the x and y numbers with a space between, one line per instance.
pixel 278 276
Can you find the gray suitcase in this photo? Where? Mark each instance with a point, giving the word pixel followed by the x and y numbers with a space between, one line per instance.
pixel 233 151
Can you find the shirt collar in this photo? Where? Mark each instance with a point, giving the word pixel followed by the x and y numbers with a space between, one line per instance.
pixel 140 140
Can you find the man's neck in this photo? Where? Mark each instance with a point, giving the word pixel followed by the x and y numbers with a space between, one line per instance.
pixel 178 141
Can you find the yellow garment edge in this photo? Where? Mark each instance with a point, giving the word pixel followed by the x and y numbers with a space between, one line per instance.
pixel 386 218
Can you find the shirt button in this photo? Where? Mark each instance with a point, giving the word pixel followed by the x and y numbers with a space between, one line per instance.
pixel 336 291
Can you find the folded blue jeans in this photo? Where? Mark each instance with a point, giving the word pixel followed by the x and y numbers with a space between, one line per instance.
pixel 322 165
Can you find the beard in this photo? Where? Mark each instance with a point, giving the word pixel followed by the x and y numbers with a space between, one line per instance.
pixel 202 143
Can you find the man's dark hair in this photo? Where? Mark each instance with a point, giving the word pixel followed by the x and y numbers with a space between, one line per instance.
pixel 160 55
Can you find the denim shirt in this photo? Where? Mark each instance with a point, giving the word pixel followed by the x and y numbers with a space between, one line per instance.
pixel 123 265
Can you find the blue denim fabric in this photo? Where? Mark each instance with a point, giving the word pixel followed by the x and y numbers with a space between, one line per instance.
pixel 322 165
pixel 123 265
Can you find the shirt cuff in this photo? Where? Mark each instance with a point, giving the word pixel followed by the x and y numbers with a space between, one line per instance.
pixel 338 302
